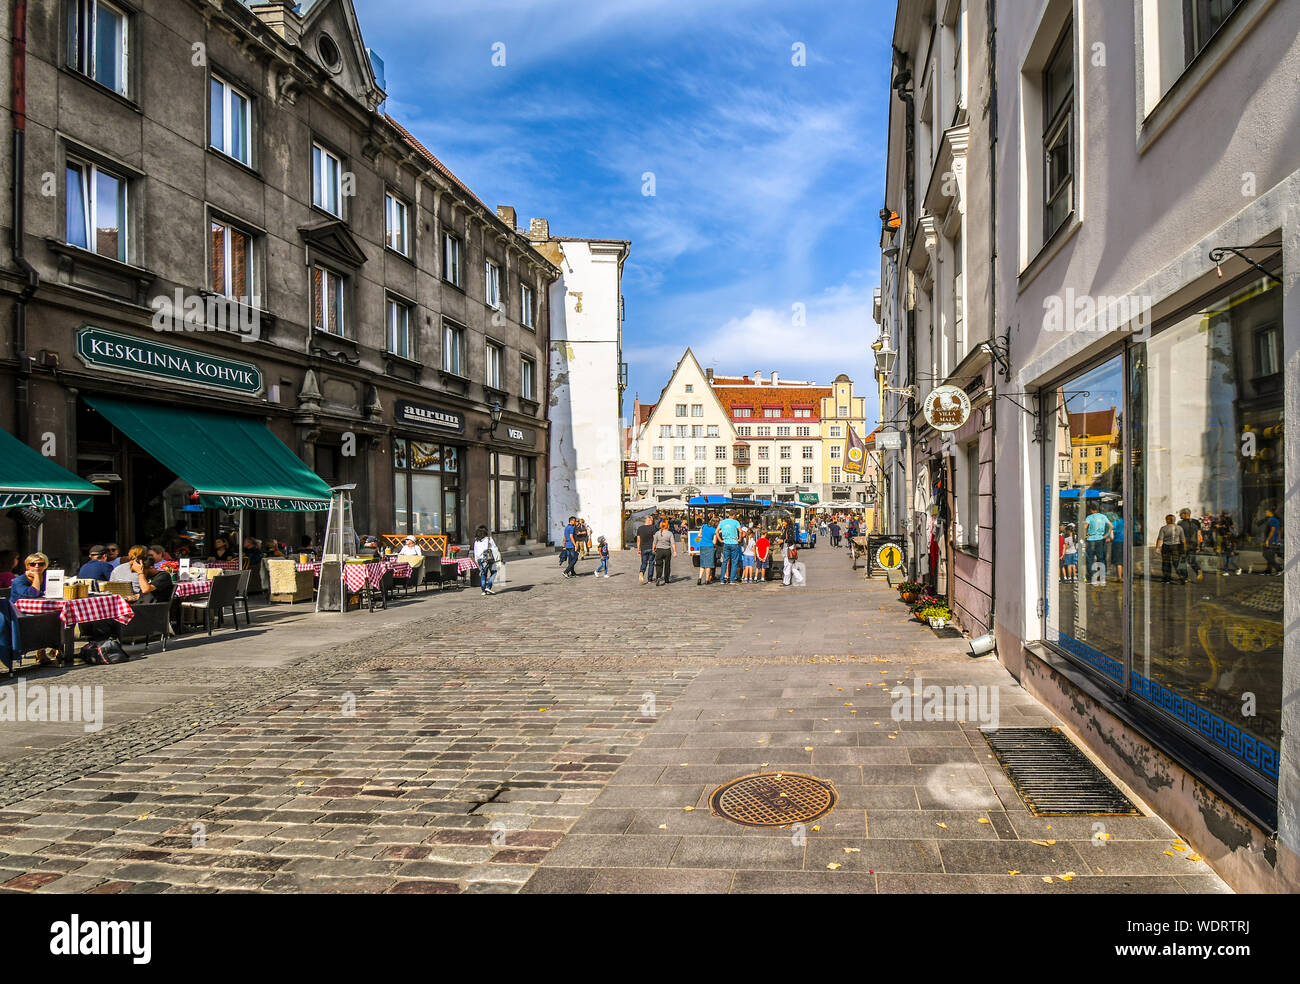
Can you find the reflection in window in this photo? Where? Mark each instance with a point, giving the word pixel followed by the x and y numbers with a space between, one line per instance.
pixel 1209 489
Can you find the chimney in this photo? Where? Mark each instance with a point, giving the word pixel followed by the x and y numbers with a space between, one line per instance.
pixel 758 378
pixel 708 374
pixel 506 213
pixel 539 230
pixel 280 16
pixel 775 378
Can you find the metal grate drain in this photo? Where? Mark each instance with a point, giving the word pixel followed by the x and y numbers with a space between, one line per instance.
pixel 1053 776
pixel 773 799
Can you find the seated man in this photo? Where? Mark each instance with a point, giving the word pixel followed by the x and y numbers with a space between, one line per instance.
pixel 97 568
pixel 410 548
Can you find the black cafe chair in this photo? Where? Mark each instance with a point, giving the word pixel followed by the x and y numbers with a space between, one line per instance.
pixel 147 621
pixel 39 632
pixel 241 596
pixel 384 591
pixel 219 597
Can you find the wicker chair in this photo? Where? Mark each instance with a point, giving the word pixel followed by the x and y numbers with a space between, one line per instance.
pixel 288 584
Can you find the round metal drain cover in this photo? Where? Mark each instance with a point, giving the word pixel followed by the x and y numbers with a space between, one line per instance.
pixel 773 799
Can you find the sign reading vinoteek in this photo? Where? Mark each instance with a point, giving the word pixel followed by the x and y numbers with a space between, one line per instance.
pixel 946 408
pixel 100 348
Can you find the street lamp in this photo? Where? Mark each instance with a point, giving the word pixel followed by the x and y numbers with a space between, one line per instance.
pixel 496 421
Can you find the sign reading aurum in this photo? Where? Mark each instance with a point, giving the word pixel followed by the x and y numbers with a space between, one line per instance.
pixel 435 418
pixel 100 348
pixel 946 408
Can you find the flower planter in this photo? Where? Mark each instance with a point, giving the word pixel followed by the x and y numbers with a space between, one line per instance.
pixel 909 597
pixel 938 623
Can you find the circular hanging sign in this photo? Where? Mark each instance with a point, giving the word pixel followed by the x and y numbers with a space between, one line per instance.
pixel 946 408
pixel 855 455
pixel 889 557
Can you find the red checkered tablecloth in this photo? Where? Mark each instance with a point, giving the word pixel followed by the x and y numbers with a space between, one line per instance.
pixel 357 576
pixel 225 565
pixel 74 610
pixel 188 589
pixel 463 564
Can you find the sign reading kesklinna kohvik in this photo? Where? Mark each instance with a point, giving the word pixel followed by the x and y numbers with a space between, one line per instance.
pixel 100 348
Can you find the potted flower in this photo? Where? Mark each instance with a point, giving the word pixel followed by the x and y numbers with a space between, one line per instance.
pixel 922 602
pixel 909 590
pixel 937 615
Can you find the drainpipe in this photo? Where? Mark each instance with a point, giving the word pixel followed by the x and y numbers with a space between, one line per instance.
pixel 992 14
pixel 19 115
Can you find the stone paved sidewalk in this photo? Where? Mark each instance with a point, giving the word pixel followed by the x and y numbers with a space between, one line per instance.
pixel 565 736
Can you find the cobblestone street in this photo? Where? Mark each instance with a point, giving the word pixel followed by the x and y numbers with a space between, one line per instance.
pixel 561 736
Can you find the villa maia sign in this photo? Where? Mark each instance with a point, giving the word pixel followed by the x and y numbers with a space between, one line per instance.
pixel 100 348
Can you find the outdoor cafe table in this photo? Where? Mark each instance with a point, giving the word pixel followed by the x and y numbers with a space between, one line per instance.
pixel 95 608
pixel 463 564
pixel 188 589
pixel 369 574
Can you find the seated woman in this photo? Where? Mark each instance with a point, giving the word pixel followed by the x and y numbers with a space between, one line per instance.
pixel 31 584
pixel 155 587
pixel 221 552
pixel 123 573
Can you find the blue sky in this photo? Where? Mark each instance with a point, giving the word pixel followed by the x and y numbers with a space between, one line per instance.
pixel 768 176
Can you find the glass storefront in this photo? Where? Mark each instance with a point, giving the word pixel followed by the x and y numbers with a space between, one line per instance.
pixel 1165 523
pixel 427 487
pixel 510 494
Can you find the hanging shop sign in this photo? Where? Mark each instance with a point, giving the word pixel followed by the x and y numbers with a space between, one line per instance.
pixel 946 408
pixel 809 498
pixel 889 557
pixel 629 469
pixel 99 348
pixel 430 418
pixel 889 440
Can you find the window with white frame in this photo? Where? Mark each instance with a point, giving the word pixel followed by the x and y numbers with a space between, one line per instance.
pixel 679 476
pixel 680 409
pixel 99 42
pixel 230 262
pixel 658 476
pixel 526 306
pixel 327 308
pixel 451 266
pixel 1058 134
pixel 764 431
pixel 771 412
pixel 742 476
pixel 803 432
pixel 453 339
pixel 701 452
pixel 399 328
pixel 96 208
pixel 742 432
pixel 711 430
pixel 690 387
pixel 527 378
pixel 836 430
pixel 842 411
pixel 697 430
pixel 720 475
pixel 763 473
pixel 835 474
pixel 742 411
pixel 396 226
pixel 665 430
pixel 230 118
pixel 683 430
pixel 701 475
pixel 720 452
pixel 785 452
pixel 969 508
pixel 763 452
pixel 657 453
pixel 492 284
pixel 785 475
pixel 835 452
pixel 697 409
pixel 327 180
pixel 802 412
pixel 807 474
pixel 495 356
pixel 807 452
pixel 679 452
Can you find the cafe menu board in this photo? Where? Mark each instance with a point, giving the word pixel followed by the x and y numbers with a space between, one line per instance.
pixel 54 584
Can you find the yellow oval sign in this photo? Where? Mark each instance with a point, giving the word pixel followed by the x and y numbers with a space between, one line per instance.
pixel 889 557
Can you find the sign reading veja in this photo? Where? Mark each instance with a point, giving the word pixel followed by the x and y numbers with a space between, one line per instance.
pixel 100 348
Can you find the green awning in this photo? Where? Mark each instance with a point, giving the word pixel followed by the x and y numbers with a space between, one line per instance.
pixel 232 462
pixel 28 478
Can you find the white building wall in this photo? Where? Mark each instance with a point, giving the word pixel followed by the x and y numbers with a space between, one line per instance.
pixel 586 435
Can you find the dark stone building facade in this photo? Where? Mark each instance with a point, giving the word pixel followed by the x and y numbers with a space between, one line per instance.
pixel 215 213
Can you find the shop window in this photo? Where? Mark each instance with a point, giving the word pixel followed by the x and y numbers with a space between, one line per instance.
pixel 98 42
pixel 426 493
pixel 96 209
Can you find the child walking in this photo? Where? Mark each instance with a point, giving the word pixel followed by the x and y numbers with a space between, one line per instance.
pixel 604 558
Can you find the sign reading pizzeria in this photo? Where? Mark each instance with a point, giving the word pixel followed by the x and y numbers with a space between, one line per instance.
pixel 427 417
pixel 946 408
pixel 99 348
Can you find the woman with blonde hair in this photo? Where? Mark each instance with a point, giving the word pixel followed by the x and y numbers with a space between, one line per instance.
pixel 31 584
pixel 123 573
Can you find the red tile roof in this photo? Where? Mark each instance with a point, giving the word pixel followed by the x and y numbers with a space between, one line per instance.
pixel 646 409
pixel 1093 423
pixel 427 154
pixel 785 397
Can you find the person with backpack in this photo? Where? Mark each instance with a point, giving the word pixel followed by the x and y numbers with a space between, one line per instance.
pixel 790 549
pixel 603 549
pixel 487 556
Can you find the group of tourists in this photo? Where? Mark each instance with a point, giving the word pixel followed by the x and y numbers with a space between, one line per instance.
pixel 577 545
pixel 729 551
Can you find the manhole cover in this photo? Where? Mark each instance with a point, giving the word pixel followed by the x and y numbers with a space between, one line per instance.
pixel 773 799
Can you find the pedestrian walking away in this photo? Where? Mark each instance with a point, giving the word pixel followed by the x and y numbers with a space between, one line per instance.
pixel 665 549
pixel 729 533
pixel 603 549
pixel 487 556
pixel 644 542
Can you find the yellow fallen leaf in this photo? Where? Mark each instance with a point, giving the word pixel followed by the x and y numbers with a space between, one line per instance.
pixel 688 809
pixel 790 711
pixel 1068 876
pixel 847 704
pixel 1194 857
pixel 1170 853
pixel 807 748
pixel 541 710
pixel 1043 843
pixel 1179 847
pixel 1013 871
pixel 853 850
pixel 833 866
pixel 1048 879
pixel 985 820
pixel 893 737
pixel 1103 837
pixel 853 712
pixel 837 731
pixel 940 823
